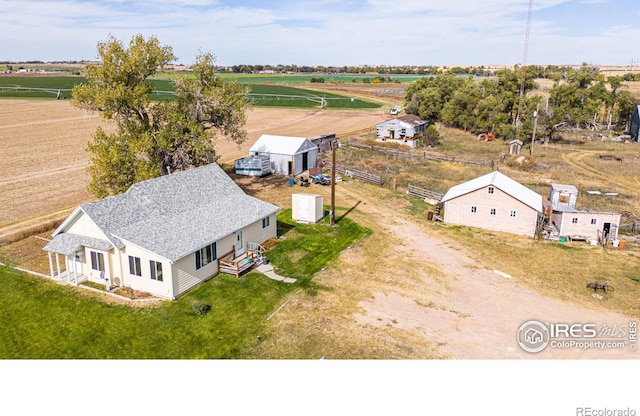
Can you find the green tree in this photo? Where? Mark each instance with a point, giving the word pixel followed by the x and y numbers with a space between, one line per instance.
pixel 152 138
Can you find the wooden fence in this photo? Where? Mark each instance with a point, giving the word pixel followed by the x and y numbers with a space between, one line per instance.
pixel 416 155
pixel 357 174
pixel 424 193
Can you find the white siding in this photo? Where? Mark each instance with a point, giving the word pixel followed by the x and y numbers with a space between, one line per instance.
pixel 184 270
pixel 583 226
pixel 83 225
pixel 459 211
pixel 144 283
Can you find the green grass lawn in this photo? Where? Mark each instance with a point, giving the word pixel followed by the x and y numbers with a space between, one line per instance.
pixel 306 249
pixel 44 320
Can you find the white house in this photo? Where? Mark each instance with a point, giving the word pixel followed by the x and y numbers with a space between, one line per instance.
pixel 493 202
pixel 406 130
pixel 288 155
pixel 164 235
pixel 567 220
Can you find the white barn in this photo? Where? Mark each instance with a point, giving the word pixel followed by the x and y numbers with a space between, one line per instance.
pixel 493 202
pixel 288 155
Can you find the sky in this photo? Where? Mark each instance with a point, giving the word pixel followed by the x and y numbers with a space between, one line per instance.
pixel 331 32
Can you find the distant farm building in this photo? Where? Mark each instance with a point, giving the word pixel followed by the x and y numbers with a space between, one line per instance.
pixel 494 202
pixel 635 125
pixel 287 155
pixel 407 130
pixel 567 221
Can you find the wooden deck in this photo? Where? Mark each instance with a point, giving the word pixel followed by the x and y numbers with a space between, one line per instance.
pixel 230 264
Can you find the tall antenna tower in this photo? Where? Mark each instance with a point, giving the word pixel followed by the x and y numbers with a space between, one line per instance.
pixel 523 71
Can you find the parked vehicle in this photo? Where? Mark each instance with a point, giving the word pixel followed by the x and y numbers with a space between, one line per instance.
pixel 321 179
pixel 396 109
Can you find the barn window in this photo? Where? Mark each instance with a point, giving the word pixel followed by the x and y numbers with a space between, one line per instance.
pixel 474 209
pixel 574 220
pixel 490 190
pixel 134 266
pixel 512 213
pixel 594 221
pixel 492 211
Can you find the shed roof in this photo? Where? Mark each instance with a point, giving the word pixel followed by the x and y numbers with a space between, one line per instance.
pixel 282 145
pixel 500 181
pixel 561 187
pixel 408 120
pixel 175 215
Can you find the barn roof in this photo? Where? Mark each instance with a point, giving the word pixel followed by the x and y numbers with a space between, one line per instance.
pixel 172 215
pixel 282 145
pixel 409 120
pixel 500 181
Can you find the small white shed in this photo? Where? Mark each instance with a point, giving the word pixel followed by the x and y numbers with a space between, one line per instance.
pixel 307 208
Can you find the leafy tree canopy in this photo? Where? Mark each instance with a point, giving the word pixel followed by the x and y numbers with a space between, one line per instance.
pixel 152 139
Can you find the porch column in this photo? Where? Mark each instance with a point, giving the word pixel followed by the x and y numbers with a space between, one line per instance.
pixel 58 265
pixel 50 264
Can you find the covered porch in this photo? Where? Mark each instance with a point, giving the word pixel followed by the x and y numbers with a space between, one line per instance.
pixel 71 248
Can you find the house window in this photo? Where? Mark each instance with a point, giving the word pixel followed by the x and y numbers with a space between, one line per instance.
pixel 134 266
pixel 492 211
pixel 594 221
pixel 265 222
pixel 512 213
pixel 156 270
pixel 474 209
pixel 97 261
pixel 490 190
pixel 206 255
pixel 574 220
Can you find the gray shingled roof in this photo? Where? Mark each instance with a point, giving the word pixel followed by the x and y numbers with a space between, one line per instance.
pixel 68 243
pixel 175 215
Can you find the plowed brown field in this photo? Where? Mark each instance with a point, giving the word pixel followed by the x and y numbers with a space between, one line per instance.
pixel 43 147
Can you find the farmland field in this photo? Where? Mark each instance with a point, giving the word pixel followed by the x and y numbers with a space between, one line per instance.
pixel 44 151
pixel 260 95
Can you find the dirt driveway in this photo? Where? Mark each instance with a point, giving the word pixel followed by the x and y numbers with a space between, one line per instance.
pixel 476 312
pixel 405 292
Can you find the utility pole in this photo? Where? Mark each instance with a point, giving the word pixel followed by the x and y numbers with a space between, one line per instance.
pixel 535 124
pixel 332 212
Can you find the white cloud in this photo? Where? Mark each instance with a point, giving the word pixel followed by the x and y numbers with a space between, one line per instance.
pixel 319 32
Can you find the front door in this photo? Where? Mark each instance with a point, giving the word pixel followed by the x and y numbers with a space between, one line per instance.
pixel 75 265
pixel 239 243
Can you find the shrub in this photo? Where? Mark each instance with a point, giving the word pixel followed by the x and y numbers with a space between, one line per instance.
pixel 201 307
